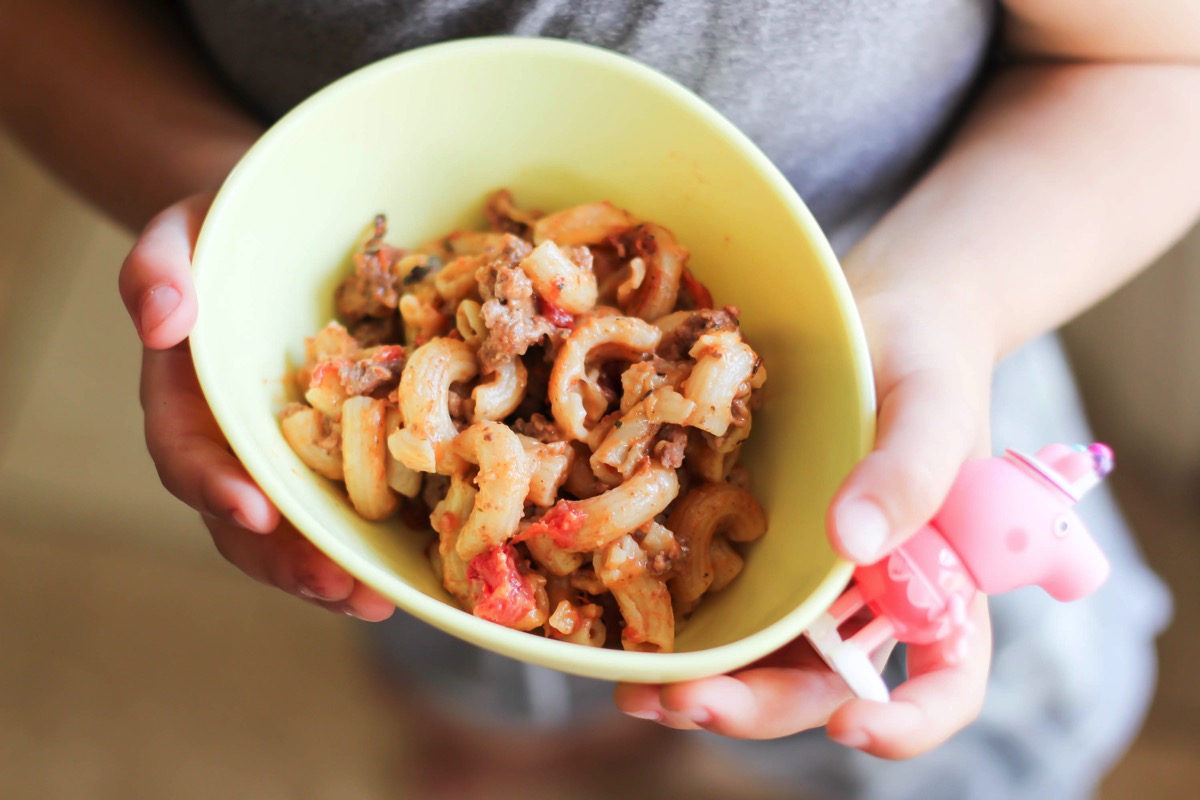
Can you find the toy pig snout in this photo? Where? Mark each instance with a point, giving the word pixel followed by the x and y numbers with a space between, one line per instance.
pixel 1081 569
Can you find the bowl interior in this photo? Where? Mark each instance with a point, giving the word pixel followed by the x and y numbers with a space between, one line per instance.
pixel 423 137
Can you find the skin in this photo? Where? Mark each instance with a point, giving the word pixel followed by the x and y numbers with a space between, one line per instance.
pixel 1071 173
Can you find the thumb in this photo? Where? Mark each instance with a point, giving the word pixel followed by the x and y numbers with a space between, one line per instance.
pixel 156 278
pixel 929 424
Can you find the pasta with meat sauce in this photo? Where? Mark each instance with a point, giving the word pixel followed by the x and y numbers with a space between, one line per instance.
pixel 559 402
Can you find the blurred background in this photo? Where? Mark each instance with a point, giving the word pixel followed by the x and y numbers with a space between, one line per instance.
pixel 135 663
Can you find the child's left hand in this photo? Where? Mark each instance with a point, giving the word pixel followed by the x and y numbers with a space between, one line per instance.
pixel 792 690
pixel 933 362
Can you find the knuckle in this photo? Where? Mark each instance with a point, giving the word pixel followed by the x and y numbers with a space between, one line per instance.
pixel 208 497
pixel 281 571
pixel 166 478
pixel 732 729
pixel 225 546
pixel 161 454
pixel 266 566
pixel 177 472
pixel 137 262
pixel 902 751
pixel 972 711
pixel 145 390
pixel 972 706
pixel 921 489
pixel 226 552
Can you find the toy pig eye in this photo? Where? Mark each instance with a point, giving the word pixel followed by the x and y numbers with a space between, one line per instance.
pixel 1062 526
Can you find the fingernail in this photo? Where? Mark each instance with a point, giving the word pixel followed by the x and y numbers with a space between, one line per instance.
pixel 653 716
pixel 157 305
pixel 312 594
pixel 855 737
pixel 699 716
pixel 349 612
pixel 240 519
pixel 863 529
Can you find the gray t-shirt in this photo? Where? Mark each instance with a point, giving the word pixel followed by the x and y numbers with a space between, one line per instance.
pixel 850 98
pixel 847 97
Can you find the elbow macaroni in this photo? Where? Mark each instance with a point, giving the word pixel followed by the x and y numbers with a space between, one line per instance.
pixel 503 480
pixel 723 364
pixel 425 401
pixel 588 436
pixel 307 434
pixel 707 510
pixel 644 601
pixel 499 395
pixel 568 283
pixel 612 337
pixel 365 457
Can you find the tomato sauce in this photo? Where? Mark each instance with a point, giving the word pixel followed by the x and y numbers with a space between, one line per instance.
pixel 557 316
pixel 701 296
pixel 506 597
pixel 560 523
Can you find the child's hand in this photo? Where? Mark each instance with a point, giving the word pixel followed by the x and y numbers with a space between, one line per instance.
pixel 933 362
pixel 192 457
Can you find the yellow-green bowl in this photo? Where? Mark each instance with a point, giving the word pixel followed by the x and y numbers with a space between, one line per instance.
pixel 422 137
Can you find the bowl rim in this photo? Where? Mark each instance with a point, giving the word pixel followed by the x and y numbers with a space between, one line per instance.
pixel 568 657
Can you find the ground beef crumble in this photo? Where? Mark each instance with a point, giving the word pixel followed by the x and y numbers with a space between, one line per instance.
pixel 671 444
pixel 372 290
pixel 538 427
pixel 740 410
pixel 459 407
pixel 369 375
pixel 510 309
pixel 678 341
pixel 371 331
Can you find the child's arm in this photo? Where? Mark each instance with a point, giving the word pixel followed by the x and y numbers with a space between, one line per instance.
pixel 111 95
pixel 1075 170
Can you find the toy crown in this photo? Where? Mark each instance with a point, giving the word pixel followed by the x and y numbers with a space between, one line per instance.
pixel 1073 469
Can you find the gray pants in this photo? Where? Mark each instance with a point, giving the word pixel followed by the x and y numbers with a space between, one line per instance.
pixel 1069 685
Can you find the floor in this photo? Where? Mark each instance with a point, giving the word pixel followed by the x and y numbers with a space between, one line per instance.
pixel 135 663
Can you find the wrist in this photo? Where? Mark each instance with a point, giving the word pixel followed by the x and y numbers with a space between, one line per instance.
pixel 198 167
pixel 943 310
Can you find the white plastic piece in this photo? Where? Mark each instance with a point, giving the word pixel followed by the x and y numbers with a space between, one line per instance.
pixel 824 638
pixel 859 673
pixel 855 667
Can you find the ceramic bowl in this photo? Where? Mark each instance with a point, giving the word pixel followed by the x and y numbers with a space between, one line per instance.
pixel 423 137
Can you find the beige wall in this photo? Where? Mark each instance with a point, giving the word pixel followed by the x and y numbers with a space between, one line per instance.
pixel 1137 356
pixel 133 646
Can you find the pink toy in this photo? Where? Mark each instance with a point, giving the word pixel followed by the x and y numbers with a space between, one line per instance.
pixel 1007 523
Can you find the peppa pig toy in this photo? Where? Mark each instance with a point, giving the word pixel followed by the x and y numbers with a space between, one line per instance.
pixel 1006 523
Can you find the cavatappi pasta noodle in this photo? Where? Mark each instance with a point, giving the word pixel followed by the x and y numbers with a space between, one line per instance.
pixel 558 399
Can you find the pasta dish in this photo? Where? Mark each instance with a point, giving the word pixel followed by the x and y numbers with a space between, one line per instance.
pixel 560 401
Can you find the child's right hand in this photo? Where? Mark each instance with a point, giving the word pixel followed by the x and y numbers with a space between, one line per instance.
pixel 192 456
pixel 932 357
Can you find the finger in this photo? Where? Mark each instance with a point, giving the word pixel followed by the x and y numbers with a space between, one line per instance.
pixel 188 448
pixel 286 560
pixel 363 602
pixel 940 698
pixel 367 604
pixel 639 700
pixel 156 278
pixel 283 559
pixel 928 426
pixel 645 701
pixel 757 703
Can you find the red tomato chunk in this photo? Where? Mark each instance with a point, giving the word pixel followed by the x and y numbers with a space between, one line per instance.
pixel 506 597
